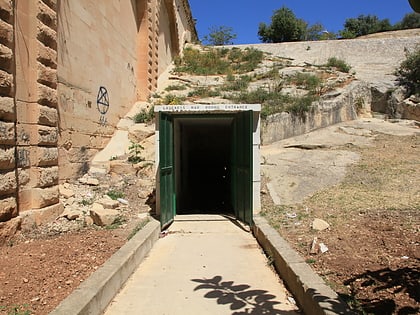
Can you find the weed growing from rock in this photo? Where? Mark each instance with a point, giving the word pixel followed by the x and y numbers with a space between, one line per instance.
pixel 339 64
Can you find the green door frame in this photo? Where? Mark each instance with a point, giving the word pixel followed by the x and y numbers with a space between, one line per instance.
pixel 241 164
pixel 166 170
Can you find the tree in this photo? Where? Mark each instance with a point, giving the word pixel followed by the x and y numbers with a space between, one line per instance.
pixel 284 27
pixel 408 73
pixel 363 25
pixel 318 32
pixel 220 35
pixel 410 20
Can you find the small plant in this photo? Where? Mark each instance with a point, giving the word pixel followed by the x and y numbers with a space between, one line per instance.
pixel 175 87
pixel 116 224
pixel 135 150
pixel 86 202
pixel 144 116
pixel 339 64
pixel 307 81
pixel 138 227
pixel 203 92
pixel 171 99
pixel 301 106
pixel 310 261
pixel 237 84
pixel 115 194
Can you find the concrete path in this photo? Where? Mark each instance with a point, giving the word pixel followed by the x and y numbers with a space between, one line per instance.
pixel 206 264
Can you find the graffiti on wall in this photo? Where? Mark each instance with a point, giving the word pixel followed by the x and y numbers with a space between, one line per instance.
pixel 102 103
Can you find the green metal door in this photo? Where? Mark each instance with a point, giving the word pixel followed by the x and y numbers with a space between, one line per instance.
pixel 242 163
pixel 166 169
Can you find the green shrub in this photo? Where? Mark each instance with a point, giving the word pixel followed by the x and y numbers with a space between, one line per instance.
pixel 134 154
pixel 172 99
pixel 175 87
pixel 216 61
pixel 300 106
pixel 236 84
pixel 408 73
pixel 115 194
pixel 307 81
pixel 144 116
pixel 203 92
pixel 339 64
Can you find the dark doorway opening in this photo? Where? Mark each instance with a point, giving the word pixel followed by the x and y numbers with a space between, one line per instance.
pixel 203 158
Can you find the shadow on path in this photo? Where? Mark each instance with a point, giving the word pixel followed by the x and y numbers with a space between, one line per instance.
pixel 241 297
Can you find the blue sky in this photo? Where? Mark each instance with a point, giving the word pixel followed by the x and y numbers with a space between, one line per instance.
pixel 244 16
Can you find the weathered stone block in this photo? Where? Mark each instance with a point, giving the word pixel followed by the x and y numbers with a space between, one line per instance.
pixel 6 34
pixel 8 229
pixel 47 57
pixel 47 135
pixel 8 209
pixel 47 96
pixel 6 58
pixel 47 16
pixel 6 83
pixel 23 157
pixel 36 135
pixel 101 216
pixel 37 198
pixel 7 158
pixel 41 156
pixel 23 177
pixel 6 11
pixel 7 133
pixel 47 36
pixel 38 217
pixel 8 183
pixel 7 109
pixel 42 177
pixel 47 76
pixel 32 113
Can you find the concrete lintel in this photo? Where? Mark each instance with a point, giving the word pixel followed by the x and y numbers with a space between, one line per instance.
pixel 207 108
pixel 95 293
pixel 309 290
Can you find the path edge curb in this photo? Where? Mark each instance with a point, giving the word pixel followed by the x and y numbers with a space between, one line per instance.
pixel 94 294
pixel 308 288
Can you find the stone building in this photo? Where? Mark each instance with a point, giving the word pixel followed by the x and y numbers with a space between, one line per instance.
pixel 69 70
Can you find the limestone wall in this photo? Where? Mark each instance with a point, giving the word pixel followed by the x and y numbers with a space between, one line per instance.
pixel 120 47
pixel 97 59
pixel 69 71
pixel 9 222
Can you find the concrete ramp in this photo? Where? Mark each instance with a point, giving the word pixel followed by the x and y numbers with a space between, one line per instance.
pixel 204 264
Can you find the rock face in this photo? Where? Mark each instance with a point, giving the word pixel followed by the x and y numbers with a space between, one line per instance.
pixel 326 112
